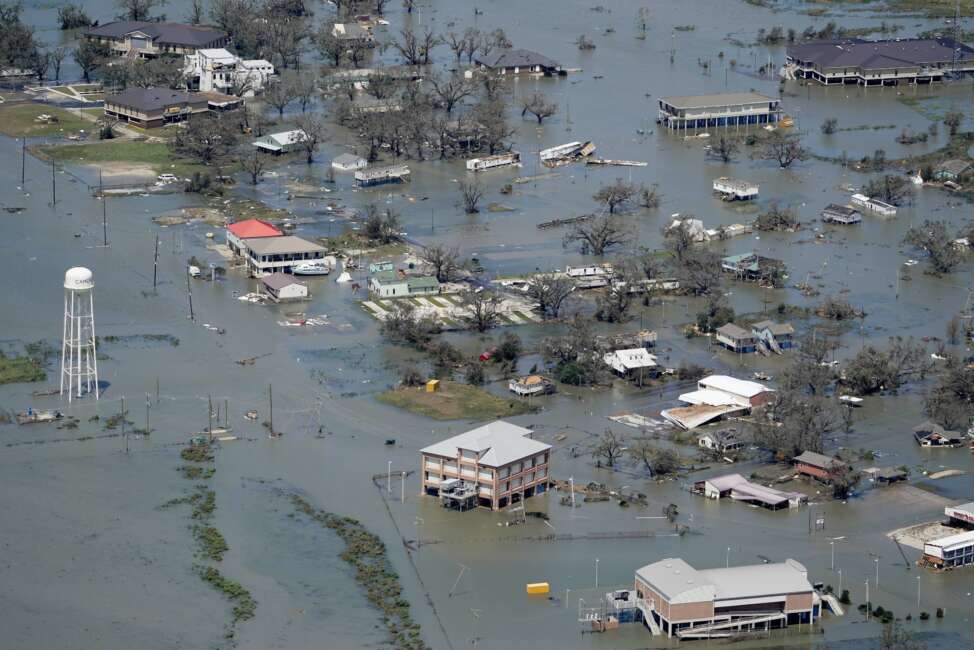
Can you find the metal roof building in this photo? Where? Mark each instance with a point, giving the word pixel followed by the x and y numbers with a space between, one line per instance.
pixel 874 63
pixel 677 599
pixel 517 60
pixel 718 110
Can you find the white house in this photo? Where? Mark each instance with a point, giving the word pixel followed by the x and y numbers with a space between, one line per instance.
pixel 283 142
pixel 633 362
pixel 391 284
pixel 218 70
pixel 281 286
pixel 722 441
pixel 348 162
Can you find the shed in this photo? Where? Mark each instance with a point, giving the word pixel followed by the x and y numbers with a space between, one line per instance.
pixel 281 287
pixel 841 214
pixel 817 465
pixel 280 143
pixel 348 162
pixel 952 170
pixel 432 385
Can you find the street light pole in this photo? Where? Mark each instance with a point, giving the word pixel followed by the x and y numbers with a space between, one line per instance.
pixel 596 573
pixel 727 562
pixel 840 582
pixel 918 593
pixel 389 478
pixel 832 544
pixel 876 560
pixel 868 604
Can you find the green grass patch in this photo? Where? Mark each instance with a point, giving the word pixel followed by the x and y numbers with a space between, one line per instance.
pixel 197 453
pixel 19 120
pixel 244 606
pixel 454 401
pixel 212 542
pixel 15 370
pixel 526 316
pixel 152 154
pixel 439 302
pixel 507 319
pixel 367 554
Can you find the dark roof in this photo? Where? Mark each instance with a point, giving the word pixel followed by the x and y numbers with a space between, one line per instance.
pixel 168 33
pixel 845 210
pixel 859 53
pixel 818 460
pixel 954 166
pixel 517 58
pixel 152 99
pixel 278 281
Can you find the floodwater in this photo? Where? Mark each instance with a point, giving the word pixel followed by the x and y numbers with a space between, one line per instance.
pixel 89 558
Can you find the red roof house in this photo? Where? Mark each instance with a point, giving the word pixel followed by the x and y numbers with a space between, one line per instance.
pixel 248 229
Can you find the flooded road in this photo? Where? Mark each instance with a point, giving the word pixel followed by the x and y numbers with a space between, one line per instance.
pixel 91 559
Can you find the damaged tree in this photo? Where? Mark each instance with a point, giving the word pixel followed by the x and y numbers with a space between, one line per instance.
pixel 600 235
pixel 470 193
pixel 933 238
pixel 615 194
pixel 550 292
pixel 538 106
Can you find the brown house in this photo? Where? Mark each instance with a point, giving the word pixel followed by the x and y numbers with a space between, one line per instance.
pixel 492 466
pixel 136 39
pixel 817 465
pixel 153 107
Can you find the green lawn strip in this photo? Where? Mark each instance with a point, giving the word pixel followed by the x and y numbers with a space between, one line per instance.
pixel 153 154
pixel 18 120
pixel 526 316
pixel 14 370
pixel 507 319
pixel 454 401
pixel 439 302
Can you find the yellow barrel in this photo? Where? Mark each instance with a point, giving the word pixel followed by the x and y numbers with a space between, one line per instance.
pixel 538 587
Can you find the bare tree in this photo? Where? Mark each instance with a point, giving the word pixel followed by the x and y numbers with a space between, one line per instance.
pixel 538 106
pixel 305 88
pixel 783 149
pixel 481 311
pixel 777 218
pixel 471 192
pixel 935 240
pixel 550 292
pixel 892 189
pixel 494 129
pixel 382 227
pixel 415 49
pixel 195 16
pixel 252 162
pixel 615 194
pixel 725 148
pixel 609 447
pixel 649 197
pixel 408 5
pixel 330 47
pixel 600 235
pixel 443 259
pixel 278 95
pixel 314 128
pixel 457 44
pixel 138 9
pixel 953 120
pixel 451 91
pixel 206 139
pixel 58 55
pixel 494 84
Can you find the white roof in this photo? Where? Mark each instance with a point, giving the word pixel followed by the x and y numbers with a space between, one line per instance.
pixel 631 359
pixel 708 398
pixel 681 583
pixel 256 63
pixel 498 443
pixel 951 541
pixel 217 53
pixel 284 138
pixel 734 386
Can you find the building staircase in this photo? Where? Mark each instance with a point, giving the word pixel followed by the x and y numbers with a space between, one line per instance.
pixel 729 628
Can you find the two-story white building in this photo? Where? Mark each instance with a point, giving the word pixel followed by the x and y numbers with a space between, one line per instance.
pixel 491 466
pixel 221 71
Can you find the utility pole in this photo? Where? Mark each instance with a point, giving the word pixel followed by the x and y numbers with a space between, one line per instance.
pixel 157 390
pixel 124 434
pixel 155 264
pixel 53 185
pixel 147 414
pixel 189 291
pixel 402 497
pixel 226 413
pixel 209 416
pixel 23 161
pixel 270 398
pixel 104 220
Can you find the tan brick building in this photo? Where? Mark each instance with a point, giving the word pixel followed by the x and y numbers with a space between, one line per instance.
pixel 491 466
pixel 678 600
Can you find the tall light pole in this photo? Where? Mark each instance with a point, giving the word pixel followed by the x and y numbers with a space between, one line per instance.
pixel 389 478
pixel 596 573
pixel 727 562
pixel 876 560
pixel 918 593
pixel 832 544
pixel 840 582
pixel 868 604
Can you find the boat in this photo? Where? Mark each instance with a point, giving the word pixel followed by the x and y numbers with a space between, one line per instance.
pixel 30 416
pixel 311 268
pixel 851 400
pixel 762 376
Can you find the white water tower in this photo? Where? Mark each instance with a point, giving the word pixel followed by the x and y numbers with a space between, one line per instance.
pixel 79 363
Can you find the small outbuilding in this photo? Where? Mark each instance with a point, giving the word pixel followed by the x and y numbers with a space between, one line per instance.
pixel 281 143
pixel 283 287
pixel 841 214
pixel 952 170
pixel 817 465
pixel 348 162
